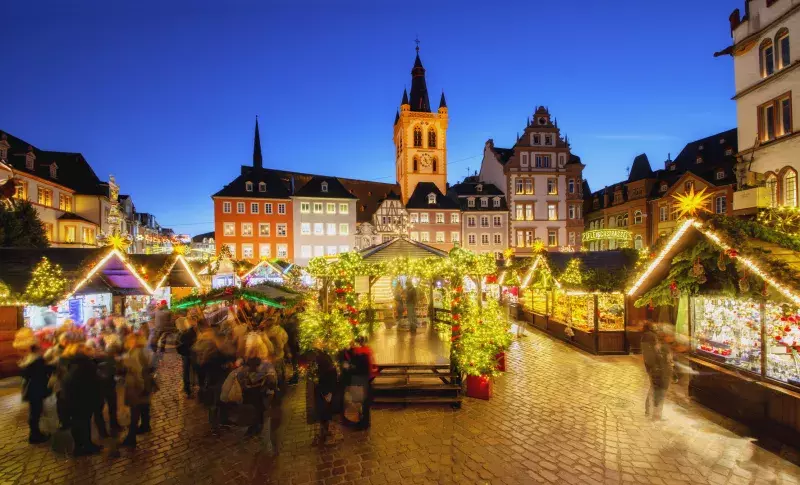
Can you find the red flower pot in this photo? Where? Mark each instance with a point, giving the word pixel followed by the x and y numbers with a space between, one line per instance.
pixel 501 361
pixel 479 387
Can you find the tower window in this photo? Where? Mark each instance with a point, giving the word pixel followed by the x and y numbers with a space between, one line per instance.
pixel 415 164
pixel 434 165
pixel 431 138
pixel 417 136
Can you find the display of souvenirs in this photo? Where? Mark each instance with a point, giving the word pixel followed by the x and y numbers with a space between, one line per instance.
pixel 574 310
pixel 535 301
pixel 783 343
pixel 611 312
pixel 728 330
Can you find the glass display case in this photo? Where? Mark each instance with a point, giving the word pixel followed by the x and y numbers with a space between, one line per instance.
pixel 535 301
pixel 728 330
pixel 574 310
pixel 783 342
pixel 611 312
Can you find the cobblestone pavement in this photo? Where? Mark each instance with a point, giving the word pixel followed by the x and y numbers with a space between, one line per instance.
pixel 557 416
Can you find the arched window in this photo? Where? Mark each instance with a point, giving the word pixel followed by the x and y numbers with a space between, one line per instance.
pixel 248 186
pixel 625 220
pixel 620 221
pixel 262 187
pixel 637 217
pixel 434 165
pixel 782 44
pixel 431 138
pixel 772 187
pixel 790 188
pixel 417 136
pixel 637 242
pixel 612 222
pixel 416 164
pixel 766 53
pixel 688 186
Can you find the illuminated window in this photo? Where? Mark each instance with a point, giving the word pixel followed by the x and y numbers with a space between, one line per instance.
pixel 720 204
pixel 88 235
pixel 790 188
pixel 424 218
pixel 414 236
pixel 318 207
pixel 529 212
pixel 45 197
pixel 247 229
pixel 305 207
pixel 330 208
pixel 439 218
pixel 265 250
pixel 247 251
pixel 431 198
pixel 70 234
pixel 319 229
pixel 775 118
pixel 424 237
pixel 331 228
pixel 471 202
pixel 344 208
pixel 552 211
pixel 455 236
pixel 65 203
pixel 637 242
pixel 520 187
pixel 431 138
pixel 552 237
pixel 529 186
pixel 454 218
pixel 283 250
pixel 520 212
pixel 414 217
pixel 637 217
pixel 552 186
pixel 228 229
pixel 440 237
pixel 688 186
pixel 22 191
pixel 263 229
pixel 344 229
pixel 772 188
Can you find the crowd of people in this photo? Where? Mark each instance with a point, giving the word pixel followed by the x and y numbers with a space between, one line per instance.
pixel 238 369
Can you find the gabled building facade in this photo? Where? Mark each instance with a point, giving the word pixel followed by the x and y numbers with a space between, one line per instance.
pixel 435 219
pixel 543 182
pixel 253 214
pixel 324 219
pixel 484 217
pixel 766 79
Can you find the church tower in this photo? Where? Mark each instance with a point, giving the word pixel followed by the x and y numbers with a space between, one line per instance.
pixel 420 137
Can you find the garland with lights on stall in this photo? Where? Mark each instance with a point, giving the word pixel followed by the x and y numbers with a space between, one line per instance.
pixel 229 294
pixel 704 268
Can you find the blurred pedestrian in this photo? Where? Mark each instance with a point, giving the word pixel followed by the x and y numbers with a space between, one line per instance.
pixel 35 374
pixel 107 382
pixel 291 326
pixel 411 304
pixel 325 383
pixel 139 387
pixel 81 391
pixel 658 364
pixel 187 337
pixel 163 326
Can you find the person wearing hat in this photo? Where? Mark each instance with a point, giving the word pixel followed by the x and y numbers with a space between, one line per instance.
pixel 162 326
pixel 35 374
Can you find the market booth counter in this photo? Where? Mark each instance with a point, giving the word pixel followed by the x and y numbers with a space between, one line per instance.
pixel 740 283
pixel 576 297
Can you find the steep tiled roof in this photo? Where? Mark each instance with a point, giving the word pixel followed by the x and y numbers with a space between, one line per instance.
pixel 471 188
pixel 400 248
pixel 275 189
pixel 313 188
pixel 419 198
pixel 503 154
pixel 70 216
pixel 206 235
pixel 640 169
pixel 711 150
pixel 73 171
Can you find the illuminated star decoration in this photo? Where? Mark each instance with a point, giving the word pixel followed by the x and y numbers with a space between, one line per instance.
pixel 180 249
pixel 117 241
pixel 691 203
pixel 537 246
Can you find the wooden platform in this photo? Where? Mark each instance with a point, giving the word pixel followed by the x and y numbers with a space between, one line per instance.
pixel 394 345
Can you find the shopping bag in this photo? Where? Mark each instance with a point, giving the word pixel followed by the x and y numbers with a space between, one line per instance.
pixel 231 389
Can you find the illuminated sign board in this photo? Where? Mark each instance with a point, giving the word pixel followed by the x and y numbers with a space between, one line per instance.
pixel 607 234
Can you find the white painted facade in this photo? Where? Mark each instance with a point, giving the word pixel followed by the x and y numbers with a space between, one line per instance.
pixel 767 156
pixel 531 213
pixel 322 227
pixel 491 168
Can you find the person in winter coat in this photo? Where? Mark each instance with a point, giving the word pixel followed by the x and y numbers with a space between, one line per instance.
pixel 279 338
pixel 292 328
pixel 35 374
pixel 658 364
pixel 187 337
pixel 139 386
pixel 162 327
pixel 358 370
pixel 81 391
pixel 325 383
pixel 216 366
pixel 107 382
pixel 257 380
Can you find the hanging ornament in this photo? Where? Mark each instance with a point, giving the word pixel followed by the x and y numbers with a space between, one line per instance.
pixel 744 283
pixel 697 268
pixel 702 279
pixel 731 253
pixel 650 305
pixel 674 291
pixel 721 263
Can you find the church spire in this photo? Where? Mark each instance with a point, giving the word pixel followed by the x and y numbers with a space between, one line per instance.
pixel 419 88
pixel 405 97
pixel 442 102
pixel 257 160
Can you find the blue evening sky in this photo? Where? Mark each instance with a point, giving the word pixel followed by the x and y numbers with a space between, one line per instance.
pixel 164 94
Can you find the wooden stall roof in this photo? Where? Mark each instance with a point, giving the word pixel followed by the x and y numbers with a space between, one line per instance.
pixel 400 248
pixel 17 265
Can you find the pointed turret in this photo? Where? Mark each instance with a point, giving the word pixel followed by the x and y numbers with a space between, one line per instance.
pixel 442 102
pixel 419 88
pixel 258 162
pixel 396 117
pixel 405 97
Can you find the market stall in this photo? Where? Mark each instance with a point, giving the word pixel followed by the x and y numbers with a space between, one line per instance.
pixel 578 297
pixel 739 283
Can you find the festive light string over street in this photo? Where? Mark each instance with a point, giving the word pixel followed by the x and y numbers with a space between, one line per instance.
pixel 664 251
pixel 98 266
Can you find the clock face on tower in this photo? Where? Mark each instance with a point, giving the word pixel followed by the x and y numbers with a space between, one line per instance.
pixel 426 160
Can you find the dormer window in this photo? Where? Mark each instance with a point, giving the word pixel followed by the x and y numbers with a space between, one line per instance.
pixel 496 202
pixel 728 151
pixel 431 198
pixel 672 167
pixel 479 187
pixel 248 186
pixel 722 141
pixel 471 202
pixel 29 159
pixel 323 187
pixel 484 202
pixel 262 187
pixel 53 170
pixel 699 159
pixel 720 174
pixel 664 187
pixel 700 147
